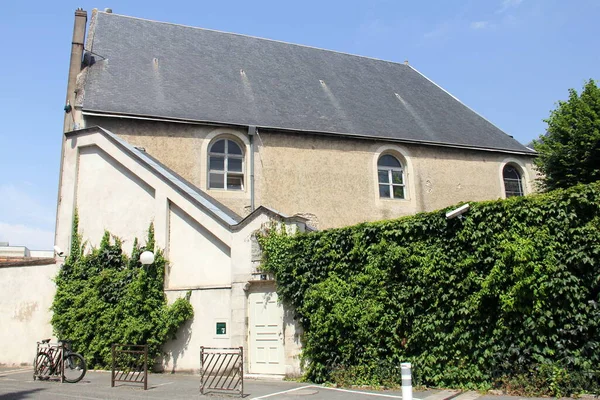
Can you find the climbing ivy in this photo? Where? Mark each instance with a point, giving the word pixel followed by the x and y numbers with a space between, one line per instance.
pixel 107 297
pixel 506 296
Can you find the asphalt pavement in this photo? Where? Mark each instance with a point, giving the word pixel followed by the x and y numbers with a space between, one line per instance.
pixel 18 383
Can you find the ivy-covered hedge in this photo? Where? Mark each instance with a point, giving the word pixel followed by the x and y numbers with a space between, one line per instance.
pixel 508 294
pixel 106 297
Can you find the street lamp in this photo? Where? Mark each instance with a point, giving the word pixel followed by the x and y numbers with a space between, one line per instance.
pixel 147 257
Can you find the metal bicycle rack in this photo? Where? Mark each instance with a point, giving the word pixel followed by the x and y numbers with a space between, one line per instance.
pixel 129 364
pixel 222 370
pixel 53 352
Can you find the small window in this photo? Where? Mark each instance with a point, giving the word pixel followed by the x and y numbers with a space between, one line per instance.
pixel 513 185
pixel 391 177
pixel 225 165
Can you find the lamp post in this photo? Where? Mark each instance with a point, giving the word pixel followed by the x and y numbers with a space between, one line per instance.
pixel 147 257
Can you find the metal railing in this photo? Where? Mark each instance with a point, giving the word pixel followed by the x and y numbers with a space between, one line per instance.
pixel 222 370
pixel 129 364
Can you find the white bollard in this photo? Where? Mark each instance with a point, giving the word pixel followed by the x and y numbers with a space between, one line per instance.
pixel 406 381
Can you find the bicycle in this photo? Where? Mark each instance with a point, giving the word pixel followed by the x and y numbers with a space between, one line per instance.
pixel 58 359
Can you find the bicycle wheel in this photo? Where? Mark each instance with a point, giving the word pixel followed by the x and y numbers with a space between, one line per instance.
pixel 43 365
pixel 74 368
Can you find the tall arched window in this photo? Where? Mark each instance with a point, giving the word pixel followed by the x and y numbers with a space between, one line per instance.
pixel 513 185
pixel 225 165
pixel 391 177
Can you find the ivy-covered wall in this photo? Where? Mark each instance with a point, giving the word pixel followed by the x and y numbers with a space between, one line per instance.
pixel 105 297
pixel 512 290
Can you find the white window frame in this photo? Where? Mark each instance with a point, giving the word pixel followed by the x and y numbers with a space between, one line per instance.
pixel 391 183
pixel 225 172
pixel 518 180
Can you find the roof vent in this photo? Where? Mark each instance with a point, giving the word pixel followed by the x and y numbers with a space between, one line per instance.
pixel 108 10
pixel 405 62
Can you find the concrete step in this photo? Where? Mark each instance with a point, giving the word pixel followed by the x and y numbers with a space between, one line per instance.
pixel 264 377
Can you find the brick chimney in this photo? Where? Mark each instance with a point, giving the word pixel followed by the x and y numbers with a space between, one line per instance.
pixel 77 46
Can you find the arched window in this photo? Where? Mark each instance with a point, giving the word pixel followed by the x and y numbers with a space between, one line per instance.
pixel 513 185
pixel 391 177
pixel 225 165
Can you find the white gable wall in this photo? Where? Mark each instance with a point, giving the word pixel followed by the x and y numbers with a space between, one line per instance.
pixel 198 258
pixel 113 191
pixel 107 192
pixel 69 191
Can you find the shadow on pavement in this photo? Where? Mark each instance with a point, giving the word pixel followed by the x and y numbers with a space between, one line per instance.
pixel 23 394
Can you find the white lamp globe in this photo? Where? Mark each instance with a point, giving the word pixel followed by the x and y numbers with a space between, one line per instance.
pixel 147 257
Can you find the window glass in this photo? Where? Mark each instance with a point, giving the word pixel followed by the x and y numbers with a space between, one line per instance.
pixel 218 147
pixel 225 165
pixel 513 185
pixel 384 191
pixel 233 148
pixel 389 161
pixel 398 192
pixel 216 181
pixel 390 177
pixel 397 177
pixel 384 176
pixel 235 164
pixel 217 163
pixel 234 182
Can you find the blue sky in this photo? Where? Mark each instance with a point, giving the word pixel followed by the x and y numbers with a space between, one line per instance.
pixel 509 60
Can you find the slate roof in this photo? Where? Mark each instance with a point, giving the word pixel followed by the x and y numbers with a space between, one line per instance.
pixel 149 68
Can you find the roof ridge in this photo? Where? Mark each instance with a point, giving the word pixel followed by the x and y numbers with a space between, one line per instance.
pixel 254 37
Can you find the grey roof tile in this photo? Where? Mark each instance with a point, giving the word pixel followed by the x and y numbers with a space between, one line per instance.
pixel 165 70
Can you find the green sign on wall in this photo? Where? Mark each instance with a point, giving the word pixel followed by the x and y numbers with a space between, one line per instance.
pixel 221 328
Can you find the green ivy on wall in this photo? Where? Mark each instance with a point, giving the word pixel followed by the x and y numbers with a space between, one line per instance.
pixel 510 292
pixel 106 297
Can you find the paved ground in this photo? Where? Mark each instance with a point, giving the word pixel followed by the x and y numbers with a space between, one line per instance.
pixel 18 383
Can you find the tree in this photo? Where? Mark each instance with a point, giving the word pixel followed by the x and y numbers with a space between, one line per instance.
pixel 569 153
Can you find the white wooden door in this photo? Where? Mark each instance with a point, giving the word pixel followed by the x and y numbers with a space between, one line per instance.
pixel 266 334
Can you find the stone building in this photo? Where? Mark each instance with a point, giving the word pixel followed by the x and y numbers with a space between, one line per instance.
pixel 207 133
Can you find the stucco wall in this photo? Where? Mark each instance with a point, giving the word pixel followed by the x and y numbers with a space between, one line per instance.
pixel 336 179
pixel 181 147
pixel 26 296
pixel 210 306
pixel 105 190
pixel 197 257
pixel 330 180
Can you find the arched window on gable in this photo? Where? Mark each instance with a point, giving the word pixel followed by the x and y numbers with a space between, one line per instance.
pixel 391 177
pixel 513 183
pixel 225 165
